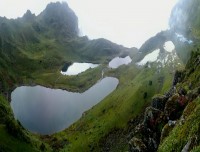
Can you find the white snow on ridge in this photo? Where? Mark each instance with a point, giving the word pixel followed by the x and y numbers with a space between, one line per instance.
pixel 169 46
pixel 118 61
pixel 183 39
pixel 166 58
pixel 151 57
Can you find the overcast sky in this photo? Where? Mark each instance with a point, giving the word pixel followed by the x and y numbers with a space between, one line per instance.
pixel 126 22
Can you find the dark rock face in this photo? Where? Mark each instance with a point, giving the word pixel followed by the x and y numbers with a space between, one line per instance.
pixel 184 16
pixel 174 106
pixel 152 117
pixel 140 146
pixel 66 66
pixel 28 16
pixel 57 21
pixel 61 18
pixel 178 77
pixel 159 102
pixel 160 118
pixel 155 42
pixel 193 94
pixel 147 134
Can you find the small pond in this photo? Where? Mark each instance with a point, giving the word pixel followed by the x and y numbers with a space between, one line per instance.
pixel 46 111
pixel 118 61
pixel 77 68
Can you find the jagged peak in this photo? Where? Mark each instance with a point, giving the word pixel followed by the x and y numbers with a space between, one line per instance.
pixel 28 16
pixel 62 18
pixel 155 42
pixel 57 4
pixel 58 8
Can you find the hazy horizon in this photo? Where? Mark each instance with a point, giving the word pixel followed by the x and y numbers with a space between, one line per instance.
pixel 129 22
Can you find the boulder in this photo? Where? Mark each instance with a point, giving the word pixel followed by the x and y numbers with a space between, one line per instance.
pixel 182 91
pixel 171 106
pixel 137 145
pixel 159 102
pixel 165 131
pixel 193 94
pixel 178 77
pixel 153 117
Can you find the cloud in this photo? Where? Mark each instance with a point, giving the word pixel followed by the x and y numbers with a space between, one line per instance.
pixel 127 22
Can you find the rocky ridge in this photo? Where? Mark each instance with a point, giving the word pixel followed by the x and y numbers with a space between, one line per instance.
pixel 167 111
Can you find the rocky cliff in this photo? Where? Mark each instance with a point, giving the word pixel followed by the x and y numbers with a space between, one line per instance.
pixel 33 49
pixel 36 43
pixel 171 122
pixel 170 113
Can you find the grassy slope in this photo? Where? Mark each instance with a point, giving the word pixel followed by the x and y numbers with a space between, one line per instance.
pixel 126 102
pixel 182 133
pixel 14 138
pixel 114 112
pixel 12 144
pixel 41 63
pixel 190 127
pixel 53 78
pixel 31 54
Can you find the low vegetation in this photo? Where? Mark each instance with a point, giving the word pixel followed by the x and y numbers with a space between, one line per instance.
pixel 33 51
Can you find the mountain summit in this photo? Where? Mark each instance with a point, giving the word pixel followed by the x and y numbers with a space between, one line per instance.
pixel 61 18
pixel 150 109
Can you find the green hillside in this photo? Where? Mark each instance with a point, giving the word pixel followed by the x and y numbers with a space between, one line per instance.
pixel 34 48
pixel 155 107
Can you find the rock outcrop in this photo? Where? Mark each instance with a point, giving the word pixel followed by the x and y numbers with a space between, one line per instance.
pixel 166 111
pixel 61 18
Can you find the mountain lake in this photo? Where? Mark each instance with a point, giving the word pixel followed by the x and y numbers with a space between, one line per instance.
pixel 47 111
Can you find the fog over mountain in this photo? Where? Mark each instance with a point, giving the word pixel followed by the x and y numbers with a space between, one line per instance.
pixel 97 95
pixel 128 22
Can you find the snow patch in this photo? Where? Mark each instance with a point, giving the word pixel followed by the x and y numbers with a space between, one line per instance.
pixel 169 46
pixel 116 62
pixel 151 57
pixel 183 39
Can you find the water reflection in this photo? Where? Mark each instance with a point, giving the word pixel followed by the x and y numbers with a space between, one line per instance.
pixel 77 68
pixel 47 111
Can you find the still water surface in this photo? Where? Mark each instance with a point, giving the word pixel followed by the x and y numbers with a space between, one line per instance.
pixel 77 68
pixel 46 111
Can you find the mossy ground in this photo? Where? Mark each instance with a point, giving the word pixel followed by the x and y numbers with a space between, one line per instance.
pixel 183 132
pixel 13 138
pixel 132 95
pixel 29 57
pixel 123 104
pixel 8 143
pixel 188 126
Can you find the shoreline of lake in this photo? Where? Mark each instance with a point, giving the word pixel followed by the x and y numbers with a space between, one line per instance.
pixel 91 97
